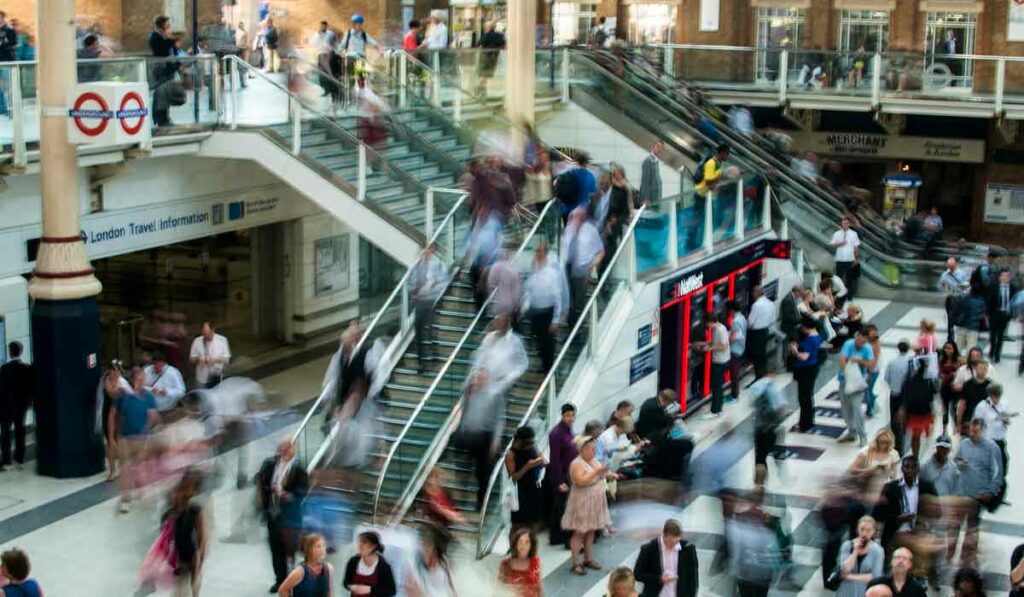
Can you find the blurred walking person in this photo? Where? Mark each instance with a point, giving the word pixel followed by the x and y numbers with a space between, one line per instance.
pixel 503 281
pixel 497 364
pixel 545 303
pixel 190 535
pixel 582 252
pixel 112 387
pixel 136 416
pixel 165 382
pixel 807 353
pixel 311 578
pixel 427 284
pixel 483 243
pixel 431 574
pixel 981 477
pixel 853 359
pixel 491 43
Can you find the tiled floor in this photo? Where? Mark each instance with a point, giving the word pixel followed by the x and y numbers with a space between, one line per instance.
pixel 240 565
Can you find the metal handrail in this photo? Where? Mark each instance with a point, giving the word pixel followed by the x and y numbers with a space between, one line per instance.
pixel 334 126
pixel 756 49
pixel 444 369
pixel 402 283
pixel 627 238
pixel 672 116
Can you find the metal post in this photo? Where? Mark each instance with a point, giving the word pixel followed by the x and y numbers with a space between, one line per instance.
pixel 784 229
pixel 740 223
pixel 783 74
pixel 876 79
pixel 143 71
pixel 405 319
pixel 766 208
pixel 403 85
pixel 457 110
pixel 669 63
pixel 449 241
pixel 361 191
pixel 673 234
pixel 709 222
pixel 565 76
pixel 1000 86
pixel 800 263
pixel 435 59
pixel 236 81
pixel 218 84
pixel 428 225
pixel 553 405
pixel 592 332
pixel 631 273
pixel 296 110
pixel 17 120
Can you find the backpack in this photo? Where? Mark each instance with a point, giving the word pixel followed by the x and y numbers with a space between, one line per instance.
pixel 567 188
pixel 698 174
pixel 918 392
pixel 348 36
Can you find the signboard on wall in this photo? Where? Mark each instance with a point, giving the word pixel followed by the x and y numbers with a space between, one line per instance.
pixel 1015 21
pixel 869 145
pixel 695 279
pixel 330 264
pixel 116 232
pixel 709 11
pixel 643 364
pixel 1004 203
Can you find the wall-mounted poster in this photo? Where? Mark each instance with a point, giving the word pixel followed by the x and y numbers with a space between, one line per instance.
pixel 709 10
pixel 330 265
pixel 1015 21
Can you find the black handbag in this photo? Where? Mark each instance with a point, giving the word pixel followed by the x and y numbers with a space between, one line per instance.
pixel 834 580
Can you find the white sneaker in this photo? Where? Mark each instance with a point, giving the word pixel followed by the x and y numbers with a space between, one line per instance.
pixel 709 416
pixel 124 507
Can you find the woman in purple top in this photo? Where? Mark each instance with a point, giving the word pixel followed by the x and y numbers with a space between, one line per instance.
pixel 562 451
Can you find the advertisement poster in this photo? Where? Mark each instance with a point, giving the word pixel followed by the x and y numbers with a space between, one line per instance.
pixel 1015 21
pixel 1004 203
pixel 709 10
pixel 330 267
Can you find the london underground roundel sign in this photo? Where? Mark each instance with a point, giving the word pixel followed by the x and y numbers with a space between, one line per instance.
pixel 91 114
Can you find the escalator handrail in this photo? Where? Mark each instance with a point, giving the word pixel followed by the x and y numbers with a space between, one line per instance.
pixel 627 237
pixel 444 369
pixel 687 127
pixel 402 284
pixel 397 172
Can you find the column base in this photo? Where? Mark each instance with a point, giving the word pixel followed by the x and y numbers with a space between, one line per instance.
pixel 65 340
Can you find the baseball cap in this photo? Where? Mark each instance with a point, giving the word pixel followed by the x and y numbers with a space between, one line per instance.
pixel 944 442
pixel 357 18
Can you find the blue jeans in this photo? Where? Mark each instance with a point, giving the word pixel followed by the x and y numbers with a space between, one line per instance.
pixel 869 394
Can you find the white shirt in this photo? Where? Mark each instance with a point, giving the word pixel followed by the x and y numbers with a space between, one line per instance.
pixel 669 565
pixel 170 381
pixel 323 41
pixel 607 444
pixel 720 336
pixel 911 496
pixel 437 37
pixel 354 43
pixel 580 247
pixel 845 253
pixel 547 288
pixel 839 289
pixel 995 428
pixel 762 314
pixel 215 349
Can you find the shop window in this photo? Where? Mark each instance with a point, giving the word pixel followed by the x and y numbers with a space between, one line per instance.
pixel 652 23
pixel 948 35
pixel 864 29
pixel 777 29
pixel 573 21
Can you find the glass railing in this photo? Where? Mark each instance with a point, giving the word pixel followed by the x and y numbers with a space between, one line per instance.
pixel 397 309
pixel 580 343
pixel 424 437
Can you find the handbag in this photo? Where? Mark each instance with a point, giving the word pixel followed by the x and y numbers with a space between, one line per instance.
pixel 834 580
pixel 510 493
pixel 161 560
pixel 855 381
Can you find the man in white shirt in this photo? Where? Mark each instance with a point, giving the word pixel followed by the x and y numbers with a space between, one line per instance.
pixel 720 357
pixel 762 316
pixel 427 283
pixel 437 34
pixel 737 347
pixel 210 354
pixel 846 242
pixel 165 382
pixel 993 411
pixel 323 42
pixel 953 282
pixel 582 252
pixel 545 303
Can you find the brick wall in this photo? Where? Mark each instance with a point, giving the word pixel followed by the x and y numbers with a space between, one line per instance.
pixel 1011 235
pixel 107 12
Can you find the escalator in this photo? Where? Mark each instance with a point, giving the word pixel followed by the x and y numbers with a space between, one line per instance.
pixel 648 75
pixel 626 105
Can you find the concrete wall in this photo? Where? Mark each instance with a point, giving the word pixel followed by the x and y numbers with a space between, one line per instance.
pixel 15 314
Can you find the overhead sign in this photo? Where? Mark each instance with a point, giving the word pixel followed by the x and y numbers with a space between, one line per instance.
pixel 116 232
pixel 693 280
pixel 1004 203
pixel 109 113
pixel 870 145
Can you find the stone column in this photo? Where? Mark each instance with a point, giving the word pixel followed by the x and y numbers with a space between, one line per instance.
pixel 520 59
pixel 65 319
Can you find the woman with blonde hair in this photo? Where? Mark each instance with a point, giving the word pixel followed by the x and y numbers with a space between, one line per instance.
pixel 621 583
pixel 878 462
pixel 927 342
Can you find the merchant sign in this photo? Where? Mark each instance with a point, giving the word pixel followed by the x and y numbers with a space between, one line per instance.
pixel 868 145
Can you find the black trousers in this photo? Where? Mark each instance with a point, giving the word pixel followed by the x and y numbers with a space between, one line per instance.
pixel 746 588
pixel 997 333
pixel 669 458
pixel 478 443
pixel 848 271
pixel 950 331
pixel 805 378
pixel 765 442
pixel 735 365
pixel 895 404
pixel 277 538
pixel 424 322
pixel 476 278
pixel 540 324
pixel 757 345
pixel 12 421
pixel 717 381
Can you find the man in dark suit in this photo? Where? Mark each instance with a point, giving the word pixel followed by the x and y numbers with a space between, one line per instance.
pixel 789 315
pixel 680 577
pixel 650 175
pixel 1000 312
pixel 15 399
pixel 668 455
pixel 281 485
pixel 900 505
